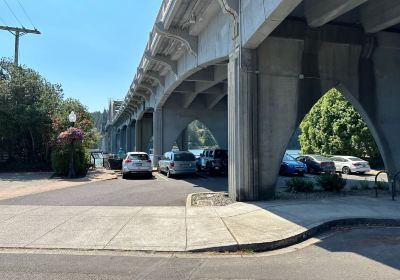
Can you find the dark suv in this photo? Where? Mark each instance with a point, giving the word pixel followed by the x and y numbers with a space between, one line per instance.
pixel 214 161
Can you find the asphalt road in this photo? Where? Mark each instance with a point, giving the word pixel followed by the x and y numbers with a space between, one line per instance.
pixel 159 191
pixel 357 254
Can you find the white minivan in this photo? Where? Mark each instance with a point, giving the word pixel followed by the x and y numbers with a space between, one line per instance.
pixel 137 163
pixel 177 162
pixel 349 164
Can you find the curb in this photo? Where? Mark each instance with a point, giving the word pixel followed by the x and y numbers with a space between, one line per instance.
pixel 298 238
pixel 254 247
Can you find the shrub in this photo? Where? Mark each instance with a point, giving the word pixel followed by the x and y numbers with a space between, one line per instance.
pixel 364 185
pixel 60 160
pixel 331 182
pixel 299 185
pixel 354 188
pixel 381 185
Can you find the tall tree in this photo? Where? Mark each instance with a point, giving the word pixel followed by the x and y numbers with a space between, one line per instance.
pixel 28 103
pixel 333 126
pixel 33 113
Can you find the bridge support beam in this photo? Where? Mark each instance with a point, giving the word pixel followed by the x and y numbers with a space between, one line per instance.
pixel 131 140
pixel 182 141
pixel 157 135
pixel 144 133
pixel 242 130
pixel 138 136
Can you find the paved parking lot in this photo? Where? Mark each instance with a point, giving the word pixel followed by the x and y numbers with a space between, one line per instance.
pixel 159 191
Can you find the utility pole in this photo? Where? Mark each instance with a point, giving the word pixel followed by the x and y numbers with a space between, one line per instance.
pixel 17 32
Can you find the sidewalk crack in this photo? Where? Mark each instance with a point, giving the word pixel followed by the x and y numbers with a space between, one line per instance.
pixel 230 232
pixel 119 231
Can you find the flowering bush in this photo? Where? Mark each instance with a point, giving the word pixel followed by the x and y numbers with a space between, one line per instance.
pixel 71 134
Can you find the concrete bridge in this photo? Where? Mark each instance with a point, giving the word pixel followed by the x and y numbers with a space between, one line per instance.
pixel 250 70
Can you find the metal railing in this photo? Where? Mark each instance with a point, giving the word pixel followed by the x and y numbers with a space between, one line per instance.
pixel 392 182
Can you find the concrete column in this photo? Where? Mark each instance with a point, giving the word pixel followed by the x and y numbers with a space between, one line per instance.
pixel 147 131
pixel 113 138
pixel 182 141
pixel 138 136
pixel 131 136
pixel 127 139
pixel 382 106
pixel 118 141
pixel 123 138
pixel 242 133
pixel 157 135
pixel 264 110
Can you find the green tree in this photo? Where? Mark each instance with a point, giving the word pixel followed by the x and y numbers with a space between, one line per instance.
pixel 84 121
pixel 333 126
pixel 33 113
pixel 27 104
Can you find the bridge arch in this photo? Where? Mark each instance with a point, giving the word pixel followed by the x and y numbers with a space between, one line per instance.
pixel 358 107
pixel 196 135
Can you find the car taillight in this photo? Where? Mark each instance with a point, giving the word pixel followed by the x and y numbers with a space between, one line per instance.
pixel 127 161
pixel 172 164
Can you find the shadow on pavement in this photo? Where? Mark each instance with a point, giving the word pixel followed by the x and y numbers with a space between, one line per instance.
pixel 218 183
pixel 380 245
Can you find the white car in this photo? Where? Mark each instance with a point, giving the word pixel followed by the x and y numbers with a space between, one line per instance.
pixel 137 163
pixel 349 164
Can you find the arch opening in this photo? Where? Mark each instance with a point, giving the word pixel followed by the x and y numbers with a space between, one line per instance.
pixel 336 125
pixel 195 137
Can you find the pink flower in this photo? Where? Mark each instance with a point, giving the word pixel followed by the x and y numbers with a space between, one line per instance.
pixel 71 134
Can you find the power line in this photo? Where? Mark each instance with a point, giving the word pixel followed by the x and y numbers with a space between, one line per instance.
pixel 26 14
pixel 5 1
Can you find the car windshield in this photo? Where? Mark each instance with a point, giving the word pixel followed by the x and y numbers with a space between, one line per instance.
pixel 138 157
pixel 321 158
pixel 287 157
pixel 355 159
pixel 221 154
pixel 184 157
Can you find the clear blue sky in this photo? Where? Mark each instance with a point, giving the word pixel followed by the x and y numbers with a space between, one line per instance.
pixel 91 47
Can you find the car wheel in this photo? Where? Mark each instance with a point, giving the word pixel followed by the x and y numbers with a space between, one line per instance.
pixel 301 174
pixel 158 169
pixel 124 176
pixel 311 170
pixel 346 170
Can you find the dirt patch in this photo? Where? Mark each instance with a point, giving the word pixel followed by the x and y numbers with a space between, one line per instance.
pixel 211 199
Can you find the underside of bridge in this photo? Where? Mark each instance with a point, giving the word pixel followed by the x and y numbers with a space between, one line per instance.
pixel 251 70
pixel 349 45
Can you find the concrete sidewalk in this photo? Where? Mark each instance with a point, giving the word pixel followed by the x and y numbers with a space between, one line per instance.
pixel 178 228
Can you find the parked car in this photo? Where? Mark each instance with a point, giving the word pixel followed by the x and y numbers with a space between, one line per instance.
pixel 177 162
pixel 349 164
pixel 214 161
pixel 317 164
pixel 290 166
pixel 136 163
